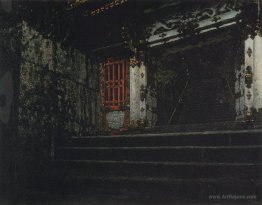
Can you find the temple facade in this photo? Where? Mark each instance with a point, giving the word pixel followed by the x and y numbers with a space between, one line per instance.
pixel 162 64
pixel 184 63
pixel 76 73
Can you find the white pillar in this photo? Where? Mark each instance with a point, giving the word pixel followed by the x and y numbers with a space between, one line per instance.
pixel 143 90
pixel 138 88
pixel 249 69
pixel 253 77
pixel 257 80
pixel 134 95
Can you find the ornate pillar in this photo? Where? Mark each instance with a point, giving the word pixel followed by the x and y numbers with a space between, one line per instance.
pixel 143 90
pixel 134 92
pixel 248 73
pixel 253 78
pixel 257 79
pixel 138 91
pixel 252 67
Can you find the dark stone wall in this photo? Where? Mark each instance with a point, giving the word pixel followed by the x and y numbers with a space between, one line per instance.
pixel 59 98
pixel 10 36
pixel 49 91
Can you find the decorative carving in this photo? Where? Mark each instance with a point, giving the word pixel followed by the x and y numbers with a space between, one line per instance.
pixel 137 123
pixel 259 28
pixel 107 6
pixel 143 92
pixel 162 35
pixel 134 36
pixel 76 3
pixel 129 41
pixel 251 20
pixel 248 76
pixel 189 21
pixel 133 61
pixel 248 116
pixel 133 124
pixel 110 5
pixel 183 24
pixel 249 52
pixel 249 95
pixel 216 19
pixel 141 123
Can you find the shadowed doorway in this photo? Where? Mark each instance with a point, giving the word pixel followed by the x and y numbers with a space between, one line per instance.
pixel 202 89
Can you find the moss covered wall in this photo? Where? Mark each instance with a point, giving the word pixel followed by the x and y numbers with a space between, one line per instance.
pixel 65 75
pixel 9 69
pixel 58 95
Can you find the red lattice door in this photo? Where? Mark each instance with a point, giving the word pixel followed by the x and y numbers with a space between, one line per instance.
pixel 114 92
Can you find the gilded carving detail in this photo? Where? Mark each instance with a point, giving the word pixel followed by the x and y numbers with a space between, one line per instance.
pixel 142 92
pixel 248 116
pixel 249 95
pixel 248 76
pixel 133 61
pixel 190 20
pixel 249 52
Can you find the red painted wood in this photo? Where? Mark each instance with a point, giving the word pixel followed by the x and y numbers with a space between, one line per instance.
pixel 113 80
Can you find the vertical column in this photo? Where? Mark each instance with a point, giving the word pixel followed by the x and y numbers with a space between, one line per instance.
pixel 134 92
pixel 257 79
pixel 249 68
pixel 143 89
pixel 138 91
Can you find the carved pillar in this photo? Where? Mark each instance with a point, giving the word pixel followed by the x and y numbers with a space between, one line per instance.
pixel 134 92
pixel 143 89
pixel 257 78
pixel 248 73
pixel 253 78
pixel 138 90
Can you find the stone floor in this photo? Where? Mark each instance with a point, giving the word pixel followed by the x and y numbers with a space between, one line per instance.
pixel 117 202
pixel 48 199
pixel 93 201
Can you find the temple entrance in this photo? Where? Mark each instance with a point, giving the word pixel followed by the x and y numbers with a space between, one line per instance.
pixel 203 87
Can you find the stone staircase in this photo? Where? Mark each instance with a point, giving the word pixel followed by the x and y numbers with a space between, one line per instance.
pixel 186 165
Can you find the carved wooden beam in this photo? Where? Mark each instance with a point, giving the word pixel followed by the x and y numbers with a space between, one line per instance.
pixel 72 4
pixel 225 20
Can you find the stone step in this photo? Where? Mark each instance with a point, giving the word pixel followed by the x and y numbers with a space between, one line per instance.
pixel 234 154
pixel 224 126
pixel 190 170
pixel 159 188
pixel 184 164
pixel 207 138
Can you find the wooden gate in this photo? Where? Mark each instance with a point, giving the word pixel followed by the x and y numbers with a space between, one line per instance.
pixel 114 95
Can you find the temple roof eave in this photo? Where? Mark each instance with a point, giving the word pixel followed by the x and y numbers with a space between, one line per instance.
pixel 224 20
